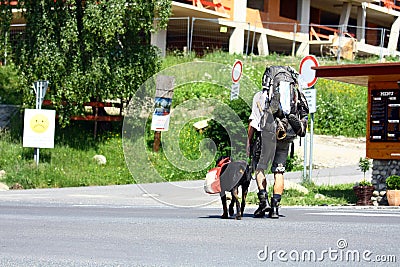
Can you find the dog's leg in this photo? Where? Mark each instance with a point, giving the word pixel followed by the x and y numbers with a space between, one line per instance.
pixel 235 200
pixel 232 204
pixel 245 189
pixel 224 207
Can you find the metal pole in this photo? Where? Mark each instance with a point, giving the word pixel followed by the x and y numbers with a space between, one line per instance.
pixel 252 44
pixel 311 147
pixel 383 32
pixel 294 39
pixel 188 36
pixel 191 36
pixel 40 88
pixel 248 37
pixel 341 31
pixel 38 106
pixel 305 160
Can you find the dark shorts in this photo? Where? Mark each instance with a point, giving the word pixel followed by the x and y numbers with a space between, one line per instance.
pixel 262 157
pixel 281 154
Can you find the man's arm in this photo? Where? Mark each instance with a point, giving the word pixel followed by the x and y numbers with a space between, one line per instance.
pixel 250 136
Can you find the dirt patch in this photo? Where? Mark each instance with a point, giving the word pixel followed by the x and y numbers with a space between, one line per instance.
pixel 333 151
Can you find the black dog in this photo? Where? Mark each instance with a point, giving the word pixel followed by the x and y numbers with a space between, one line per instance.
pixel 233 175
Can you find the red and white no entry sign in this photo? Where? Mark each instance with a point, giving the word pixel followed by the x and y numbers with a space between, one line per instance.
pixel 237 71
pixel 308 74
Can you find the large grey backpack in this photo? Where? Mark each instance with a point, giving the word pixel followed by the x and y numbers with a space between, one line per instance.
pixel 273 78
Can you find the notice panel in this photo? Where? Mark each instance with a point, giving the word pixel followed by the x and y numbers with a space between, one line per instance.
pixel 385 115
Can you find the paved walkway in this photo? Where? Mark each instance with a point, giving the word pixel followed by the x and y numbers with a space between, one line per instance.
pixel 331 176
pixel 187 194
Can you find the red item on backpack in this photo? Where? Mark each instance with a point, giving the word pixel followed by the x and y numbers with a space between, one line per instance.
pixel 212 183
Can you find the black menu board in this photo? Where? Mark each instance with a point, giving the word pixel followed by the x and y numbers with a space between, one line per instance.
pixel 385 115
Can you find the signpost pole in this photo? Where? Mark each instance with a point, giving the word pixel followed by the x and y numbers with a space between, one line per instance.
pixel 40 88
pixel 38 92
pixel 308 76
pixel 311 147
pixel 305 159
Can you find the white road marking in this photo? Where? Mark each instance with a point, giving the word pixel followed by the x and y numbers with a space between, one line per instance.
pixel 357 214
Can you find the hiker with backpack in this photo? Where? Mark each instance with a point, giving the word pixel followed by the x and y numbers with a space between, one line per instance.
pixel 279 114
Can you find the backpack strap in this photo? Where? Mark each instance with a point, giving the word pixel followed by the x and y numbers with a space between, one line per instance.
pixel 224 161
pixel 302 108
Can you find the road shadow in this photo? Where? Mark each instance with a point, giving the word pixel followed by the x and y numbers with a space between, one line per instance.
pixel 246 215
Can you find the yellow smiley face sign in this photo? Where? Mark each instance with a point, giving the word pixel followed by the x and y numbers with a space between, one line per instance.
pixel 39 123
pixel 39 126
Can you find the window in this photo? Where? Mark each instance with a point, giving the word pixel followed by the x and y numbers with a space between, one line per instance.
pixel 288 9
pixel 256 4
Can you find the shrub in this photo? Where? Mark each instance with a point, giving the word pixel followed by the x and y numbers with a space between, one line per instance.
pixel 364 183
pixel 9 91
pixel 341 109
pixel 393 182
pixel 364 164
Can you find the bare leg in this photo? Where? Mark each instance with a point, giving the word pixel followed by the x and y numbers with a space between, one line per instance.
pixel 261 180
pixel 278 183
pixel 264 205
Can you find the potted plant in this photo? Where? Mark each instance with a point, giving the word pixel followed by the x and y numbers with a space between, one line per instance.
pixel 364 189
pixel 393 190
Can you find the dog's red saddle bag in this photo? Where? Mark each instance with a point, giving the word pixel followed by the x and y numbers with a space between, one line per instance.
pixel 212 183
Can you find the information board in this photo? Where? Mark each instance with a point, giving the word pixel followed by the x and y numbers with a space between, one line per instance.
pixel 385 115
pixel 383 121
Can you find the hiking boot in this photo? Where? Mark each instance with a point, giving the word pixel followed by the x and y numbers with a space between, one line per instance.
pixel 298 126
pixel 264 205
pixel 274 213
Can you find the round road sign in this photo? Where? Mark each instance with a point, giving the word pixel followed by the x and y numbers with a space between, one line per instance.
pixel 306 71
pixel 237 71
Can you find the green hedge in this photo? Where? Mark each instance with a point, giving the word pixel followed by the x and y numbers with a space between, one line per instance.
pixel 341 109
pixel 9 91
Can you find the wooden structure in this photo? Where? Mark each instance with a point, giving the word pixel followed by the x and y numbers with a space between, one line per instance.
pixel 383 113
pixel 95 116
pixel 164 90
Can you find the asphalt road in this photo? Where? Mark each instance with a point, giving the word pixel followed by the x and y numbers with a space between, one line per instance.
pixel 68 233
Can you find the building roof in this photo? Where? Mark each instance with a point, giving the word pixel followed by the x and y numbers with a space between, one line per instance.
pixel 360 74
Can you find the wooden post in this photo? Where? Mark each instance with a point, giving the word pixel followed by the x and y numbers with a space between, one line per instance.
pixel 96 113
pixel 157 140
pixel 164 89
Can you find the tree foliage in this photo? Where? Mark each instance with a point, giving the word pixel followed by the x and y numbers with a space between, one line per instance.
pixel 5 21
pixel 89 49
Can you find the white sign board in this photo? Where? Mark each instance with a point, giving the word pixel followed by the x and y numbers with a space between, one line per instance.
pixel 306 72
pixel 235 91
pixel 163 101
pixel 311 96
pixel 39 125
pixel 160 123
